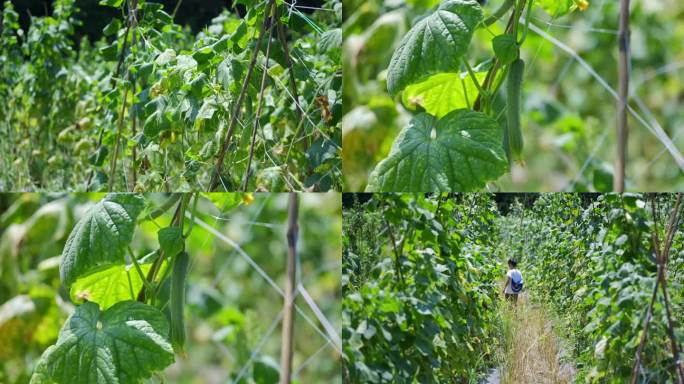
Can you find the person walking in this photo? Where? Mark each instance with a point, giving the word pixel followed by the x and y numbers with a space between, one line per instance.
pixel 514 282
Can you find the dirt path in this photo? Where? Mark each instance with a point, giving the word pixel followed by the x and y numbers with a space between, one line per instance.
pixel 532 353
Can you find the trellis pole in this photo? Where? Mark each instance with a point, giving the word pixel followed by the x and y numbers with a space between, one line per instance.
pixel 623 93
pixel 288 306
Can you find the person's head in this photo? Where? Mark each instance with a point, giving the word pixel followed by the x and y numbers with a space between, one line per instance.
pixel 512 263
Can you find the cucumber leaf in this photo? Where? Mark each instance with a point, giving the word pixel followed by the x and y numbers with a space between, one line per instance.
pixel 460 152
pixel 171 240
pixel 121 345
pixel 109 286
pixel 505 48
pixel 442 93
pixel 435 44
pixel 100 237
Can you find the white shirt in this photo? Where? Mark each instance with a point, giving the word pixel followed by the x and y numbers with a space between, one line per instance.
pixel 513 274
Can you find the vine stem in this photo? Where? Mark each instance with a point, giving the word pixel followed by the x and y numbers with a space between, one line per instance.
pixel 162 208
pixel 491 74
pixel 673 225
pixel 288 306
pixel 119 128
pixel 177 221
pixel 623 92
pixel 134 40
pixel 119 65
pixel 175 10
pixel 498 13
pixel 397 259
pixel 290 69
pixel 257 116
pixel 216 175
pixel 132 7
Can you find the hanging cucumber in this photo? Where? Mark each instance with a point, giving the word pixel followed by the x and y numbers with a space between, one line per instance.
pixel 177 301
pixel 513 89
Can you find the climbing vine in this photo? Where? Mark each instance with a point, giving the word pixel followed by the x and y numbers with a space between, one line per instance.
pixel 419 301
pixel 249 103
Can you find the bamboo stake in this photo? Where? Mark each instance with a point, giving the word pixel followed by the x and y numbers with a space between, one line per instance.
pixel 623 92
pixel 288 306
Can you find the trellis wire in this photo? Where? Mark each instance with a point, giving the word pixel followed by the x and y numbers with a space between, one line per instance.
pixel 333 338
pixel 261 344
pixel 657 130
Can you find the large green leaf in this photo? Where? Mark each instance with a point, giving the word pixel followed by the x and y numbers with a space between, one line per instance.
pixel 435 44
pixel 99 239
pixel 155 123
pixel 460 152
pixel 442 93
pixel 109 286
pixel 121 345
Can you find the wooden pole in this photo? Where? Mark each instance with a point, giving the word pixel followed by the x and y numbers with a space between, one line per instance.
pixel 623 91
pixel 288 306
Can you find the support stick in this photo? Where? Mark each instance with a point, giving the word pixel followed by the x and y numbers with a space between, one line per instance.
pixel 623 93
pixel 288 312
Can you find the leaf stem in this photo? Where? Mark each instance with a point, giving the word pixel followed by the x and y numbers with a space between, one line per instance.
pixel 168 203
pixel 498 13
pixel 471 73
pixel 139 270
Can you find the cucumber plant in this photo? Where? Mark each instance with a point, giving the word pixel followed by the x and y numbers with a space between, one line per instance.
pixel 419 303
pixel 121 332
pixel 119 266
pixel 457 140
pixel 594 262
pixel 251 102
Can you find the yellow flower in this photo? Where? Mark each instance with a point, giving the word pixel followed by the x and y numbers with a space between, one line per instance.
pixel 247 198
pixel 582 5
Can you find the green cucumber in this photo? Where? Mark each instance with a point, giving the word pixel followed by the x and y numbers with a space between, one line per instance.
pixel 177 301
pixel 513 89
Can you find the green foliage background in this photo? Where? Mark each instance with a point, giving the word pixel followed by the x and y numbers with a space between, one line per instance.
pixel 428 313
pixel 568 118
pixel 229 306
pixel 65 101
pixel 592 263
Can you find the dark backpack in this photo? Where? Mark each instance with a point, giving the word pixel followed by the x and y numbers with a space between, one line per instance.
pixel 517 286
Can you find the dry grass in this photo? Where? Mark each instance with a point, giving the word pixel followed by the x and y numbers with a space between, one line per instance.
pixel 531 349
